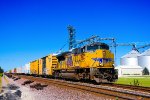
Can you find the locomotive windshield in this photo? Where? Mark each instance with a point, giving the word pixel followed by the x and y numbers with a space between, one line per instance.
pixel 97 46
pixel 104 46
pixel 91 47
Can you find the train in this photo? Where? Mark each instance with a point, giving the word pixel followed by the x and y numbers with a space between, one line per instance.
pixel 94 62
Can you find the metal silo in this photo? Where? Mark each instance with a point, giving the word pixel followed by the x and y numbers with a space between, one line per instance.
pixel 144 59
pixel 130 59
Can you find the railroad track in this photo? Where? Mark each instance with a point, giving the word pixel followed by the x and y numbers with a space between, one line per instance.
pixel 137 88
pixel 113 92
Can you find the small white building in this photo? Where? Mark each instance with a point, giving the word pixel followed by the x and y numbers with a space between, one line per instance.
pixel 129 71
pixel 129 65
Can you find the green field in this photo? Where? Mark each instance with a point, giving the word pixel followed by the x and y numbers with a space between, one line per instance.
pixel 139 81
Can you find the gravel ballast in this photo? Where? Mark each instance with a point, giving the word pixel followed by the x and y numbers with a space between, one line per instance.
pixel 51 92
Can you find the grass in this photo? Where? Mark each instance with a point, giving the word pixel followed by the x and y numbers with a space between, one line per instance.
pixel 1 74
pixel 138 81
pixel 0 80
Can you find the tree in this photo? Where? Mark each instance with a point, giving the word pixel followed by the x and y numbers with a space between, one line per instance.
pixel 145 71
pixel 1 70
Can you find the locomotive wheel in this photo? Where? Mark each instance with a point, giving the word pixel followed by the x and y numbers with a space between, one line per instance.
pixel 78 77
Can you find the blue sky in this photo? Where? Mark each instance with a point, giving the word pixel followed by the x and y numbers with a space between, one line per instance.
pixel 30 29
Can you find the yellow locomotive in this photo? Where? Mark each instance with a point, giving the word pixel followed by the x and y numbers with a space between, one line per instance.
pixel 93 62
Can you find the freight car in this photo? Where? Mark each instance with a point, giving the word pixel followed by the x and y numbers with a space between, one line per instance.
pixel 44 66
pixel 26 69
pixel 34 67
pixel 19 70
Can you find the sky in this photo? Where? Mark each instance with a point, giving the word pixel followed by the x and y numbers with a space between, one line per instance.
pixel 30 29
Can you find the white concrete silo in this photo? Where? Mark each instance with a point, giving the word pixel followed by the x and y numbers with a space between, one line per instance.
pixel 144 59
pixel 130 59
pixel 129 65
